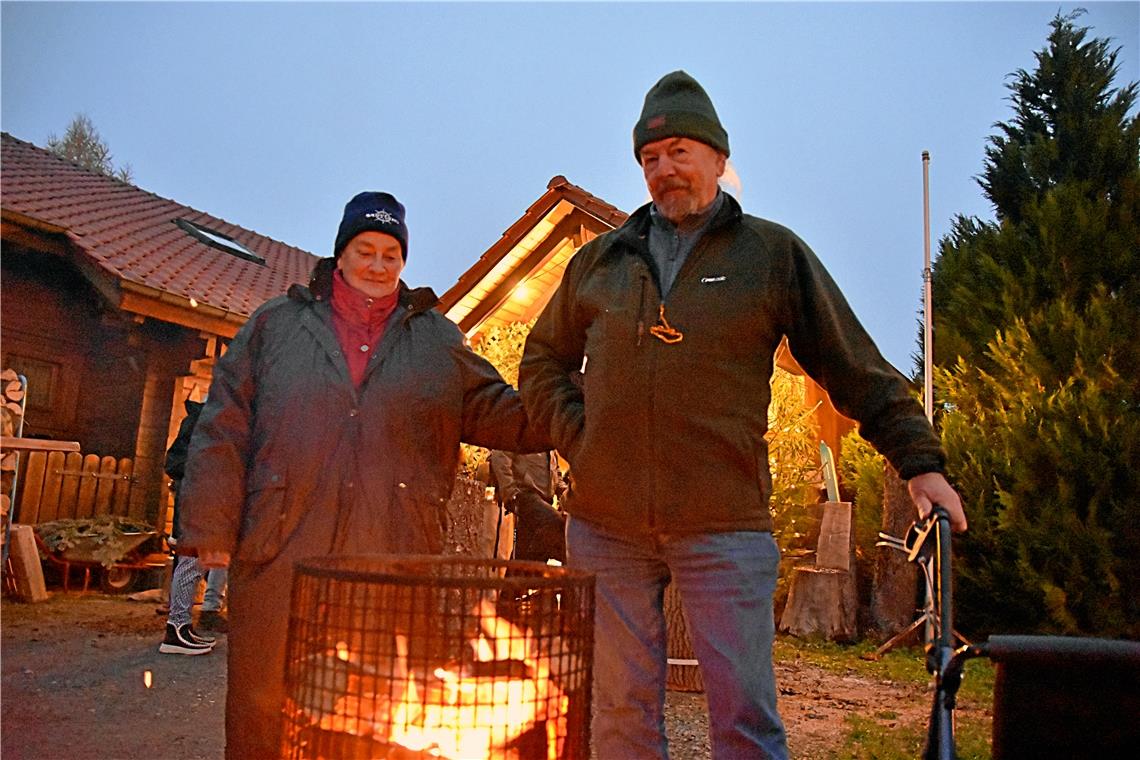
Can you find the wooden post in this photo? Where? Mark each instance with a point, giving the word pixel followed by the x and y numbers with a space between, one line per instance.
pixel 150 446
pixel 27 573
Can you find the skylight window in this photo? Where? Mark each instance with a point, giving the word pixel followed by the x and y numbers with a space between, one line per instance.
pixel 218 240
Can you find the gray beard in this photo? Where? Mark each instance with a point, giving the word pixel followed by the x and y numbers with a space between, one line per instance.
pixel 676 210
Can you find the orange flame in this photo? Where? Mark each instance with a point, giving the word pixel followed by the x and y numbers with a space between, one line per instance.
pixel 461 716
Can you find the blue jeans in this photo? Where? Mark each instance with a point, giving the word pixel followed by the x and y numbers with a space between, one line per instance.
pixel 215 589
pixel 725 582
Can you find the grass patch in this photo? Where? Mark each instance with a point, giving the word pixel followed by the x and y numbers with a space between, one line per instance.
pixel 903 665
pixel 869 740
pixel 882 736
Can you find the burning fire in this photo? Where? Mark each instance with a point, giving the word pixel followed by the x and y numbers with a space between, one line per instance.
pixel 464 712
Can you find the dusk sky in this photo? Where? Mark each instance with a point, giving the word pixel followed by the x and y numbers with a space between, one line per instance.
pixel 272 114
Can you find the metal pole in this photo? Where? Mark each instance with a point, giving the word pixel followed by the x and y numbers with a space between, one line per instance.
pixel 927 317
pixel 927 346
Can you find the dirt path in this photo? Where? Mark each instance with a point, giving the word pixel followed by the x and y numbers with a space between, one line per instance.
pixel 74 688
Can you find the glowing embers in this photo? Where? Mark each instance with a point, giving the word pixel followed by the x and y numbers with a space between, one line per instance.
pixel 505 691
pixel 461 658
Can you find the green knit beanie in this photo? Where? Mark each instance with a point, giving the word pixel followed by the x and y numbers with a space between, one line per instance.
pixel 678 106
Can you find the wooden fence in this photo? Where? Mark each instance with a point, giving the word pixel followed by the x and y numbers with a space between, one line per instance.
pixel 54 485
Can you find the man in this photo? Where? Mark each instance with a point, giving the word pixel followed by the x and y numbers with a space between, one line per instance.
pixel 527 485
pixel 679 313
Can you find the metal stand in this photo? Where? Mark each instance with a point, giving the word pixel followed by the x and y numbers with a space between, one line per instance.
pixel 928 617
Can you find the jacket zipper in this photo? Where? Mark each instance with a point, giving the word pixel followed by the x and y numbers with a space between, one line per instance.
pixel 641 309
pixel 651 423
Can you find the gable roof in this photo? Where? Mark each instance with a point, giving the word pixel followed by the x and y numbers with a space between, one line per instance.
pixel 125 240
pixel 516 276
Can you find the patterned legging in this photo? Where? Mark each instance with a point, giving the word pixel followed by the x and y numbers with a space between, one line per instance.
pixel 184 587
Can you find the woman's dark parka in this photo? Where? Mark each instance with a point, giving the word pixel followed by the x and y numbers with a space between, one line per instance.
pixel 284 432
pixel 289 460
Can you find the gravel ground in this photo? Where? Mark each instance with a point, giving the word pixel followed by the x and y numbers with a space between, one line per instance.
pixel 74 687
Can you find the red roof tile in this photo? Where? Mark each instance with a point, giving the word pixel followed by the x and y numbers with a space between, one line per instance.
pixel 130 233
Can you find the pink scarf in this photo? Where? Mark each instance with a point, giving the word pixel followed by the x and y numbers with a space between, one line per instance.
pixel 358 321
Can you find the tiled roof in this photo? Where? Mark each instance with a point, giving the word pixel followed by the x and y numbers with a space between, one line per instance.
pixel 130 235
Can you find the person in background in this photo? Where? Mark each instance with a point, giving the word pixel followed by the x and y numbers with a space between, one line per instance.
pixel 679 312
pixel 527 485
pixel 332 426
pixel 181 638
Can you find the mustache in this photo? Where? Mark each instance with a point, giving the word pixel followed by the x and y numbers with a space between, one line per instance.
pixel 672 184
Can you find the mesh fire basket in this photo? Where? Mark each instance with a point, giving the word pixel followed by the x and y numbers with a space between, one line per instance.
pixel 438 657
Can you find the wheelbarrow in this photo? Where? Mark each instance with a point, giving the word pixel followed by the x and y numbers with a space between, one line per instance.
pixel 120 562
pixel 1054 696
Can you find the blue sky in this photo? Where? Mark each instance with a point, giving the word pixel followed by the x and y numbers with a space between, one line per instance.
pixel 272 114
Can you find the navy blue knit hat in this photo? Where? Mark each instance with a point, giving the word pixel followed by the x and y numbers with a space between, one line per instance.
pixel 372 211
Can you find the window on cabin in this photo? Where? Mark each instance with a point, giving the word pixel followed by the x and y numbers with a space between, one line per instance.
pixel 218 240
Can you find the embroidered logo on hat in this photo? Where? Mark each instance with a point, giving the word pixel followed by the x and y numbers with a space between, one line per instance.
pixel 382 216
pixel 656 122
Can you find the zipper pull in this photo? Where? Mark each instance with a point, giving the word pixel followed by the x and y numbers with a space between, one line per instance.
pixel 664 331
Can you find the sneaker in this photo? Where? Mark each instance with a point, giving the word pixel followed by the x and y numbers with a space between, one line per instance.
pixel 200 637
pixel 182 640
pixel 213 620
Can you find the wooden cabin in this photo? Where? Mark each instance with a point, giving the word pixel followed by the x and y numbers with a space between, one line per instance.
pixel 115 303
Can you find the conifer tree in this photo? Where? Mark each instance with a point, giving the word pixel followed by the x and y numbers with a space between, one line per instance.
pixel 83 144
pixel 1038 354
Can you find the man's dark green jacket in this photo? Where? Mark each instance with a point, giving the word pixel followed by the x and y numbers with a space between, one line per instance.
pixel 670 437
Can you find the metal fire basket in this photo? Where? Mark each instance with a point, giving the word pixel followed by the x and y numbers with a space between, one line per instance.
pixel 438 657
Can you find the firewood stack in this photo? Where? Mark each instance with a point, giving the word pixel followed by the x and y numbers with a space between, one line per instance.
pixel 11 416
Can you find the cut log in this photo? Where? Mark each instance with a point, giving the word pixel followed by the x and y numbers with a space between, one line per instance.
pixel 836 547
pixel 822 603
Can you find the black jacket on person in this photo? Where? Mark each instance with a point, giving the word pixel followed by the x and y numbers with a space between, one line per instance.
pixel 175 464
pixel 672 436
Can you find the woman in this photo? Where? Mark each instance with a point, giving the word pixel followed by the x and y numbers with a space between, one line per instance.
pixel 332 427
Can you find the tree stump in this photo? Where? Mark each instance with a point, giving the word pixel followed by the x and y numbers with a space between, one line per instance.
pixel 683 673
pixel 822 603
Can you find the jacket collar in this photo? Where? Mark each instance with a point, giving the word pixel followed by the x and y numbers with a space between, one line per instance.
pixel 635 231
pixel 415 300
